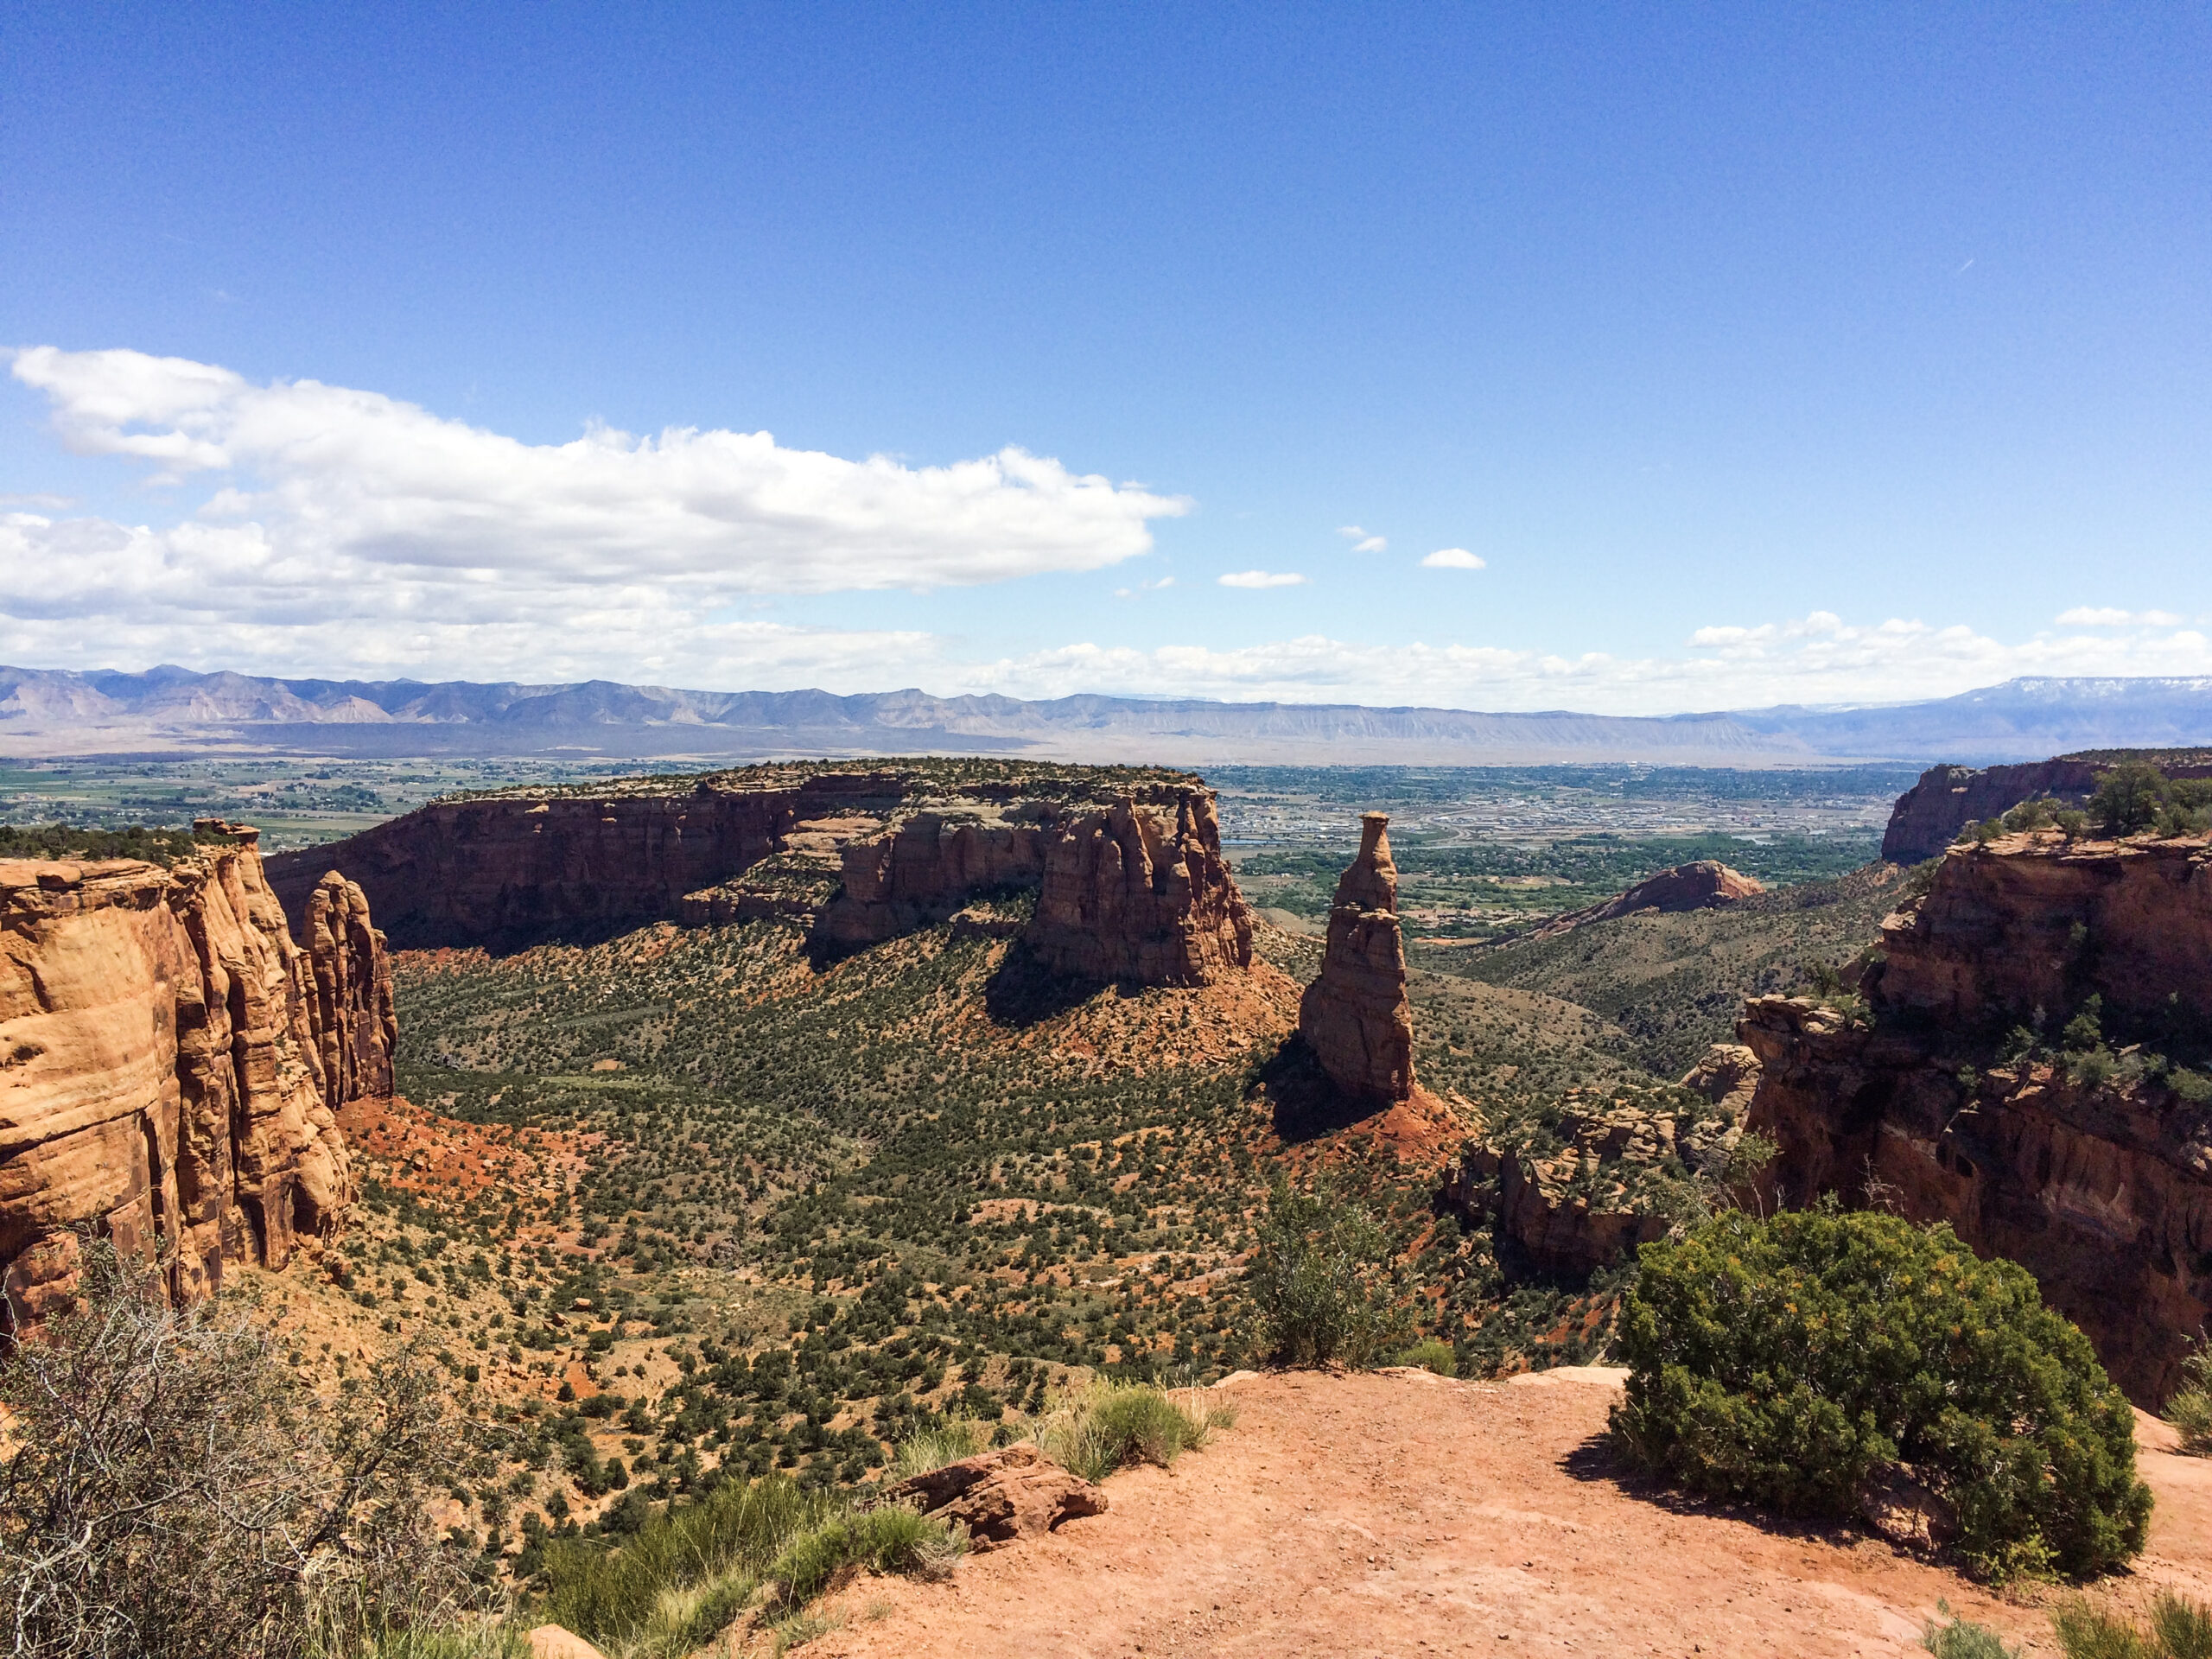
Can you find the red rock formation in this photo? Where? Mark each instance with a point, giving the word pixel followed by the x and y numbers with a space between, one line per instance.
pixel 2104 1193
pixel 1928 817
pixel 1131 885
pixel 351 1015
pixel 1139 892
pixel 169 1065
pixel 2101 1188
pixel 1002 1496
pixel 2029 921
pixel 1706 885
pixel 1355 1016
pixel 927 867
pixel 510 869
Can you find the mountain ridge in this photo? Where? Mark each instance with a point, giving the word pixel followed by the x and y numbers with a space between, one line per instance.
pixel 49 711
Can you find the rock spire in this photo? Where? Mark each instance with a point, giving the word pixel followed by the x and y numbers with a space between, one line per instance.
pixel 1355 1016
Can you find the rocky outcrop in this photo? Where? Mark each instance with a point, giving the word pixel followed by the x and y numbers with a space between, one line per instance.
pixel 2103 1191
pixel 929 866
pixel 170 1064
pixel 1126 863
pixel 351 1016
pixel 1139 892
pixel 2031 922
pixel 514 868
pixel 1705 884
pixel 1604 1175
pixel 1928 817
pixel 1000 1497
pixel 1355 1016
pixel 2096 1175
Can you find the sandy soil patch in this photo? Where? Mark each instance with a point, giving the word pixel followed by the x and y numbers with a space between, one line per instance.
pixel 1395 1513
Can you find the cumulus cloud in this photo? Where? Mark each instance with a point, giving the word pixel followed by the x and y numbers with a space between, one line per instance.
pixel 327 483
pixel 1361 541
pixel 1454 558
pixel 1262 579
pixel 2105 616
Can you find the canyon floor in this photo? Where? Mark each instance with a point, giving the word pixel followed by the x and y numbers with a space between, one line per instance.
pixel 1397 1513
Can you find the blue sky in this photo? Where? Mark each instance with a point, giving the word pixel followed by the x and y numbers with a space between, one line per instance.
pixel 1758 354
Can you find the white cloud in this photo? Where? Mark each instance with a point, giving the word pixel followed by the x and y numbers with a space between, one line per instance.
pixel 1454 558
pixel 2105 616
pixel 1262 579
pixel 329 485
pixel 1144 587
pixel 1361 542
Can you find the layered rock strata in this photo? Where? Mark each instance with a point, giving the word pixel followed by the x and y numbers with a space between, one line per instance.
pixel 1355 1016
pixel 2030 921
pixel 2097 1179
pixel 1127 866
pixel 170 1064
pixel 515 868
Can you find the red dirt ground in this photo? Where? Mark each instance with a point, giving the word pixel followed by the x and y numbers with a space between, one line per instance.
pixel 1395 1513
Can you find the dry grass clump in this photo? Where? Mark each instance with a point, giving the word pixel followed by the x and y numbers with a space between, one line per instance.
pixel 2179 1628
pixel 1106 1426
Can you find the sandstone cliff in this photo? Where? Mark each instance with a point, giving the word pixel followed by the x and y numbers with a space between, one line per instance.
pixel 1705 884
pixel 170 1063
pixel 2096 1177
pixel 1127 864
pixel 2029 922
pixel 1356 1016
pixel 1139 892
pixel 1928 817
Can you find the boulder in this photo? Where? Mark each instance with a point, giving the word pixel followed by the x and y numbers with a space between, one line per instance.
pixel 1000 1497
pixel 1355 1016
pixel 553 1641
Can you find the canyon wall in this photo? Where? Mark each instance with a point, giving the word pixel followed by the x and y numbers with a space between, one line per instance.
pixel 1127 865
pixel 1355 1016
pixel 2097 1177
pixel 1928 817
pixel 170 1064
pixel 514 868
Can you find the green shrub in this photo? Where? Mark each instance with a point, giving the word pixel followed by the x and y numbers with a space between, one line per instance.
pixel 2128 798
pixel 1786 1360
pixel 2189 1410
pixel 1433 1355
pixel 1962 1638
pixel 2180 1628
pixel 1319 1276
pixel 1109 1426
pixel 893 1539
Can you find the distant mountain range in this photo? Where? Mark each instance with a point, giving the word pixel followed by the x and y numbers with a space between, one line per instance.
pixel 47 713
